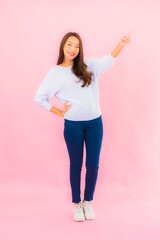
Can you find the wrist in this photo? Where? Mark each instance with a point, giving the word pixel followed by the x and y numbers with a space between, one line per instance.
pixel 61 113
pixel 57 111
pixel 122 43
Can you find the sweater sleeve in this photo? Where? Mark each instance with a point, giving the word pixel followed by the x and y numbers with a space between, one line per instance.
pixel 99 65
pixel 46 90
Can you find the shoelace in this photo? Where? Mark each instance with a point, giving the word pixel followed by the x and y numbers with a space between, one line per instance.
pixel 78 208
pixel 87 207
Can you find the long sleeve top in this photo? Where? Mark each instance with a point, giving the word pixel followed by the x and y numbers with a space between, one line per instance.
pixel 61 82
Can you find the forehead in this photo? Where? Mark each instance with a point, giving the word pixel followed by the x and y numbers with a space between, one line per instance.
pixel 73 39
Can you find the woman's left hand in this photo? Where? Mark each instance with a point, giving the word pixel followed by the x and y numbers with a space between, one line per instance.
pixel 123 41
pixel 126 39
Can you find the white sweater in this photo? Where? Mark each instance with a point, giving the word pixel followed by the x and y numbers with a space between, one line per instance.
pixel 64 84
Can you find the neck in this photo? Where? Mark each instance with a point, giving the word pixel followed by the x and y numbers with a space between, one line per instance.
pixel 66 63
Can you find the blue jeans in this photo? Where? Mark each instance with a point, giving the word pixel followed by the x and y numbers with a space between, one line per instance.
pixel 77 134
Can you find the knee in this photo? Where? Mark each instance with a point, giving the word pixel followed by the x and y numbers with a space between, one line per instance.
pixel 92 168
pixel 75 168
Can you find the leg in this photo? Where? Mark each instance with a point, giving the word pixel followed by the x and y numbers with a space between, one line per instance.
pixel 74 138
pixel 93 141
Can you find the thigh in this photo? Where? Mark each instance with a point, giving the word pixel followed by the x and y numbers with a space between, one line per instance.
pixel 93 142
pixel 74 138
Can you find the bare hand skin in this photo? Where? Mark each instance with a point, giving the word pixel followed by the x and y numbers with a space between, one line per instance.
pixel 123 41
pixel 62 112
pixel 66 107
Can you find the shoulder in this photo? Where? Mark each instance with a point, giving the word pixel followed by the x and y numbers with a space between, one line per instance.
pixel 89 61
pixel 53 69
pixel 50 75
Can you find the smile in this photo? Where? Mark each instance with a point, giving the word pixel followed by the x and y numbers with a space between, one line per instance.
pixel 72 54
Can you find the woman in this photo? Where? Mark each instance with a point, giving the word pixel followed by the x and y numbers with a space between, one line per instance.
pixel 74 82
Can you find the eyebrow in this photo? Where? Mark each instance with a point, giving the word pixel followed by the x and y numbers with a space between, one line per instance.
pixel 72 43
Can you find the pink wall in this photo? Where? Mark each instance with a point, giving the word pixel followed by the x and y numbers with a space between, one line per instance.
pixel 31 139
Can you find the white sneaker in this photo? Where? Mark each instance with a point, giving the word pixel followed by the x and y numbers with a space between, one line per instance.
pixel 88 211
pixel 78 214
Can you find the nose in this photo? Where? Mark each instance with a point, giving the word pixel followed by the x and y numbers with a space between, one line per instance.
pixel 73 49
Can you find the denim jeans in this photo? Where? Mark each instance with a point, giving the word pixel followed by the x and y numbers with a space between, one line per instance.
pixel 78 134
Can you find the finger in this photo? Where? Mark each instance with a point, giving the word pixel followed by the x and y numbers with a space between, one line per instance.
pixel 66 108
pixel 67 103
pixel 124 38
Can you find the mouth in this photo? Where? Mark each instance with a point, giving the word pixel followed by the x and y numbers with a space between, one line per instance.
pixel 72 54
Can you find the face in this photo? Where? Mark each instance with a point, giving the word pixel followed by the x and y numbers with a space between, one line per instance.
pixel 71 48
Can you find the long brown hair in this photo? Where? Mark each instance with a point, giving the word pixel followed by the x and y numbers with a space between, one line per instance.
pixel 79 68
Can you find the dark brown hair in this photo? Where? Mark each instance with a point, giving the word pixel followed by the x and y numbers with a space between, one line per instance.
pixel 79 68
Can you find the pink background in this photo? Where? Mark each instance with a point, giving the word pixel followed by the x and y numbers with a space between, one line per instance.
pixel 34 184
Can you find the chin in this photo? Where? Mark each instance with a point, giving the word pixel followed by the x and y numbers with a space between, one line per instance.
pixel 71 58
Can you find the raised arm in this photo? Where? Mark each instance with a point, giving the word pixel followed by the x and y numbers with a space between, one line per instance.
pixel 124 40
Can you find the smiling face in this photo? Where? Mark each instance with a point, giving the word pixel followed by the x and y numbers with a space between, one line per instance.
pixel 71 49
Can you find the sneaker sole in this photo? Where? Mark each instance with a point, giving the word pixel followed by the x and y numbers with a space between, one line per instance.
pixel 79 220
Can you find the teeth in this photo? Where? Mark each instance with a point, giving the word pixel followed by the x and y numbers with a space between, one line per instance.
pixel 71 54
